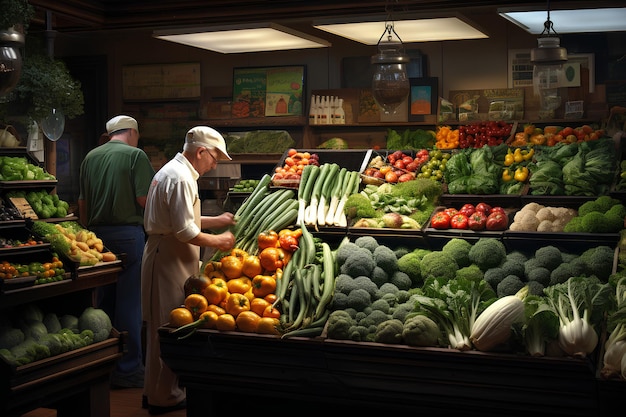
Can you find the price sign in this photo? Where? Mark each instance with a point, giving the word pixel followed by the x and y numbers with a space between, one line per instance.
pixel 24 208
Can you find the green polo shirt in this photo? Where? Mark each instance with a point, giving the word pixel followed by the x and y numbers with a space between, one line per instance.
pixel 112 176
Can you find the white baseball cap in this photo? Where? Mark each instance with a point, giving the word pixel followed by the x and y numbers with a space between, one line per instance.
pixel 121 122
pixel 208 137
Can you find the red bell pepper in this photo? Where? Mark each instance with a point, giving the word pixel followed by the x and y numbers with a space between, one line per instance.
pixel 497 221
pixel 477 221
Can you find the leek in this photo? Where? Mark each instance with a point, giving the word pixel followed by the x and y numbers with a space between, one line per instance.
pixel 335 196
pixel 327 187
pixel 350 186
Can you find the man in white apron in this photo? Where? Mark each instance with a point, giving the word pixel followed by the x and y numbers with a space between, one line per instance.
pixel 174 225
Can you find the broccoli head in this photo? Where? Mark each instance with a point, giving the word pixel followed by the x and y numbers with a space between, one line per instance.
pixel 379 276
pixel 510 285
pixel 359 262
pixel 512 267
pixel 345 249
pixel 561 274
pixel 374 318
pixel 438 264
pixel 386 259
pixel 410 265
pixel 459 250
pixel 420 330
pixel 517 255
pixel 487 253
pixel 367 242
pixel 493 276
pixel 386 289
pixel 339 324
pixel 389 331
pixel 381 304
pixel 401 280
pixel 535 288
pixel 470 273
pixel 344 283
pixel 540 275
pixel 359 299
pixel 548 257
pixel 599 261
pixel 365 283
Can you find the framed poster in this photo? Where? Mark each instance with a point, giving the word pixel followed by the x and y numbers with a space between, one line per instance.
pixel 161 82
pixel 423 98
pixel 268 91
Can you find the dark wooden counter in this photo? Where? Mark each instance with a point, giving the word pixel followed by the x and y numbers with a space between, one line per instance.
pixel 320 375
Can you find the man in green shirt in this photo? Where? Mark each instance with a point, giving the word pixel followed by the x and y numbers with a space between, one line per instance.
pixel 114 182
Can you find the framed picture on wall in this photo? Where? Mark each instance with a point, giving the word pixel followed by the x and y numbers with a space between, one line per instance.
pixel 423 98
pixel 268 91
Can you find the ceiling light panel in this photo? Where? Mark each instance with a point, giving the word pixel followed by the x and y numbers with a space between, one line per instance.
pixel 242 38
pixel 417 30
pixel 569 21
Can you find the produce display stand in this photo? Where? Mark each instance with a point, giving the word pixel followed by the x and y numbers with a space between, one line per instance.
pixel 75 383
pixel 320 375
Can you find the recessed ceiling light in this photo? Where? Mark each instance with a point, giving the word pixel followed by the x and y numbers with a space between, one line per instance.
pixel 233 39
pixel 569 21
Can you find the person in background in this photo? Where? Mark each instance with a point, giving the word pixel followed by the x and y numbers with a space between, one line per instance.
pixel 114 181
pixel 174 225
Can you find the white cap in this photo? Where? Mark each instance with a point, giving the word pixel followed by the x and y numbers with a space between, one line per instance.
pixel 121 122
pixel 208 137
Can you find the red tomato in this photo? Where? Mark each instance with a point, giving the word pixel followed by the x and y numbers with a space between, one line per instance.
pixel 483 207
pixel 498 209
pixel 467 209
pixel 440 220
pixel 477 221
pixel 497 221
pixel 459 221
pixel 451 211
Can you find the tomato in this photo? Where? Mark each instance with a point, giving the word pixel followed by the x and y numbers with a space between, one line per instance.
pixel 267 239
pixel 247 321
pixel 477 221
pixel 391 177
pixel 459 221
pixel 450 211
pixel 467 209
pixel 263 285
pixel 497 221
pixel 226 322
pixel 209 319
pixel 239 285
pixel 483 208
pixel 197 304
pixel 440 220
pixel 268 325
pixel 406 177
pixel 251 266
pixel 196 284
pixel 180 316
pixel 215 293
pixel 232 266
pixel 258 305
pixel 407 160
pixel 272 258
pixel 271 312
pixel 236 303
pixel 498 209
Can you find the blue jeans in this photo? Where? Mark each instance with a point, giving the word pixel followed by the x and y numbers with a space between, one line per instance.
pixel 122 300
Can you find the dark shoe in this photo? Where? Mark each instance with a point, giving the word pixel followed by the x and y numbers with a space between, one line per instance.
pixel 144 402
pixel 156 410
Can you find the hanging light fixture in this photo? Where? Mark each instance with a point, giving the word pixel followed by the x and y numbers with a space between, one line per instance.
pixel 548 59
pixel 390 82
pixel 10 59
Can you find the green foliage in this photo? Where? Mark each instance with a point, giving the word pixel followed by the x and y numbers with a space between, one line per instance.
pixel 15 12
pixel 45 84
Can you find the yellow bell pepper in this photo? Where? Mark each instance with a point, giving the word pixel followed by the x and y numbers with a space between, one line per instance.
pixel 506 175
pixel 517 155
pixel 528 154
pixel 521 174
pixel 508 158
